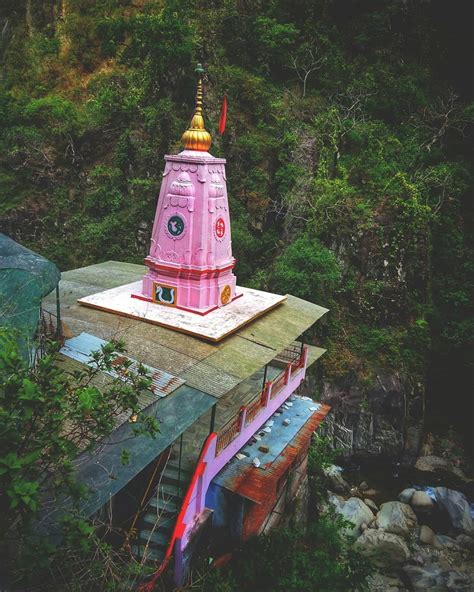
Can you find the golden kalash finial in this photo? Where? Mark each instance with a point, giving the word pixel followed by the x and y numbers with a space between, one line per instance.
pixel 196 137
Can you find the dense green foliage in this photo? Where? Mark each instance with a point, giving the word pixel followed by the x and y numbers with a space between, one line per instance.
pixel 347 145
pixel 319 559
pixel 349 176
pixel 321 455
pixel 47 417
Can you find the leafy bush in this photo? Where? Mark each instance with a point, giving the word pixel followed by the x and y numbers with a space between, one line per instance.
pixel 48 417
pixel 307 269
pixel 320 454
pixel 320 559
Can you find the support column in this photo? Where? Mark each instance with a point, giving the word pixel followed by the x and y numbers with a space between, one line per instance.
pixel 242 418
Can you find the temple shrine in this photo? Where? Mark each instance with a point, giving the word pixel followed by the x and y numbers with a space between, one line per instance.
pixel 228 367
pixel 190 262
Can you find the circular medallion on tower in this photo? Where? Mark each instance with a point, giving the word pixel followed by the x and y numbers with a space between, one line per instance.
pixel 175 226
pixel 226 294
pixel 219 228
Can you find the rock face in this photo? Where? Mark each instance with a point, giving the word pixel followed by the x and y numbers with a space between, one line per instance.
pixel 434 577
pixel 373 418
pixel 457 506
pixel 431 463
pixel 354 510
pixel 385 549
pixel 396 518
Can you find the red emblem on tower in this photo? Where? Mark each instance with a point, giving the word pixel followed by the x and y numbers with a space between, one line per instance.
pixel 220 227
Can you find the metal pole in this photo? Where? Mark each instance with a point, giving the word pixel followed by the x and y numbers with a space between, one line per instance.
pixel 265 376
pixel 58 313
pixel 179 463
pixel 213 418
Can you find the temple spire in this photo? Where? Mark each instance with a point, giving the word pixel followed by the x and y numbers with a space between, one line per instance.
pixel 196 137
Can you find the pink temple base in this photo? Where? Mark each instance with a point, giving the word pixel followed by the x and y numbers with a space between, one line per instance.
pixel 193 310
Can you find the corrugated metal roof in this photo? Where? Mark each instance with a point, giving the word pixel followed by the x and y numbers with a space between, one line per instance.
pixel 257 484
pixel 80 348
pixel 104 473
pixel 212 368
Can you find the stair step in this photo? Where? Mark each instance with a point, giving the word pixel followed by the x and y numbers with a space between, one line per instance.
pixel 158 537
pixel 155 554
pixel 173 474
pixel 165 521
pixel 170 490
pixel 165 506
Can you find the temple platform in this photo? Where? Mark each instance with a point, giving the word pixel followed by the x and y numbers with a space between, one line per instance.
pixel 214 326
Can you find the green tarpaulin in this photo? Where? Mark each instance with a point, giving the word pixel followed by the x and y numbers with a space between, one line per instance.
pixel 25 279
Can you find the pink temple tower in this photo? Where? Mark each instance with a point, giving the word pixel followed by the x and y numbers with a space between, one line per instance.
pixel 190 261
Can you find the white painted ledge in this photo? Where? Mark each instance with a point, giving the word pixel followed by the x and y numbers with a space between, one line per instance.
pixel 213 326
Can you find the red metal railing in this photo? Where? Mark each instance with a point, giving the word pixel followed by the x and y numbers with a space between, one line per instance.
pixel 279 383
pixel 228 434
pixel 232 429
pixel 180 524
pixel 290 354
pixel 297 365
pixel 253 409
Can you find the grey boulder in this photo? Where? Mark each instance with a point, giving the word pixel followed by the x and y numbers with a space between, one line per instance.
pixel 354 510
pixel 465 541
pixel 371 504
pixel 385 549
pixel 427 536
pixel 444 541
pixel 333 473
pixel 421 501
pixel 396 518
pixel 432 463
pixel 457 507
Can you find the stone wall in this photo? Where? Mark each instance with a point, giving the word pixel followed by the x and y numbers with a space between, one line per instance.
pixel 384 419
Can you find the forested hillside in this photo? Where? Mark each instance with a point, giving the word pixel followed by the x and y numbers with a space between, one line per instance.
pixel 347 143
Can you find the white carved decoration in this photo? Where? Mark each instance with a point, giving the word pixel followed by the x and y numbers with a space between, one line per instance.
pixel 181 193
pixel 184 166
pixel 157 250
pixel 216 188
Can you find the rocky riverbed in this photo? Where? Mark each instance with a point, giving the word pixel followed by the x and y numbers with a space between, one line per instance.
pixel 420 538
